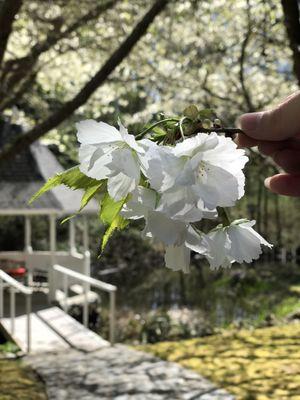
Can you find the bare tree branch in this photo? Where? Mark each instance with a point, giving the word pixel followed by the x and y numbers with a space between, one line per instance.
pixel 292 23
pixel 8 12
pixel 245 43
pixel 83 95
pixel 18 69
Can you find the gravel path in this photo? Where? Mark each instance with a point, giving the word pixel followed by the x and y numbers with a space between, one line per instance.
pixel 119 373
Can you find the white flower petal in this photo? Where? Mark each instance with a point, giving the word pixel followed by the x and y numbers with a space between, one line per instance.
pixel 194 241
pixel 159 165
pixel 172 205
pixel 99 169
pixel 93 132
pixel 178 258
pixel 130 139
pixel 217 244
pixel 123 160
pixel 246 243
pixel 168 231
pixel 200 142
pixel 120 185
pixel 219 189
pixel 142 200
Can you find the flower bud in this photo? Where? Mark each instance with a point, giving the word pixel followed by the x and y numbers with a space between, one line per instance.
pixel 207 124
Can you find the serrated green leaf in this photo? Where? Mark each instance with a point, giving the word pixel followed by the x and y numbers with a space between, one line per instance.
pixel 73 178
pixel 110 215
pixel 118 223
pixel 68 218
pixel 90 193
pixel 86 198
pixel 110 209
pixel 191 111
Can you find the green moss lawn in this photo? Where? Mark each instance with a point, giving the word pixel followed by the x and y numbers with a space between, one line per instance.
pixel 18 382
pixel 260 364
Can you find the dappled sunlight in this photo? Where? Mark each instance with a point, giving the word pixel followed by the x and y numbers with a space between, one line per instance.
pixel 252 364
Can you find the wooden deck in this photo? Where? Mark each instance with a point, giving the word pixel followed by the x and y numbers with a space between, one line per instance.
pixel 53 330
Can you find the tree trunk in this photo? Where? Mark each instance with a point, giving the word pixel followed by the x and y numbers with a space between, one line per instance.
pixel 292 23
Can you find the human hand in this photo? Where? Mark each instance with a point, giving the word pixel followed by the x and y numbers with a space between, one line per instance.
pixel 277 134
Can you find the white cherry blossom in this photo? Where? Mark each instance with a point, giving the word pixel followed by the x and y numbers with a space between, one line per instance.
pixel 238 242
pixel 212 170
pixel 108 153
pixel 158 225
pixel 178 257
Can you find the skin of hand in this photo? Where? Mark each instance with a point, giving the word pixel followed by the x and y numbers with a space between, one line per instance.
pixel 277 134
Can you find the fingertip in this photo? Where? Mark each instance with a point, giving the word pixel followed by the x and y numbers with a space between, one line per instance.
pixel 267 182
pixel 250 122
pixel 245 141
pixel 284 184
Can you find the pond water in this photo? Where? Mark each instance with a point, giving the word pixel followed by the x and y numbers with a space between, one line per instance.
pixel 241 293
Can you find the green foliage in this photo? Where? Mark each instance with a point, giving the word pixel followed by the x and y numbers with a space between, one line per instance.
pixel 117 223
pixel 9 347
pixel 90 192
pixel 287 306
pixel 110 215
pixel 73 178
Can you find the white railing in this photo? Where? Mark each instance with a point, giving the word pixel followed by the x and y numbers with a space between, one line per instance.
pixel 16 286
pixel 88 281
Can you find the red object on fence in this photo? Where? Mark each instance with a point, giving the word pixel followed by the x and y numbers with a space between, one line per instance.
pixel 16 272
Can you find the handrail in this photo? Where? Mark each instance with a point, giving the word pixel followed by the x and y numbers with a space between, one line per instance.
pixel 13 282
pixel 16 286
pixel 107 287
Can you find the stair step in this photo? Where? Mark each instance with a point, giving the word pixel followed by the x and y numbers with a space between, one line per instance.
pixel 71 330
pixel 43 338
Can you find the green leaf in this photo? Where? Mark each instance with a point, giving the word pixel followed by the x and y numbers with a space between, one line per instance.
pixel 73 178
pixel 86 198
pixel 110 209
pixel 159 132
pixel 118 223
pixel 206 113
pixel 110 215
pixel 191 111
pixel 89 193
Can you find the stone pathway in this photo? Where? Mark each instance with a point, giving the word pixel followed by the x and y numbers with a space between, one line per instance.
pixel 119 373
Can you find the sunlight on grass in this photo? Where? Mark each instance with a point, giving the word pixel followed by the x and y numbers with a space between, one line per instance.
pixel 18 382
pixel 257 364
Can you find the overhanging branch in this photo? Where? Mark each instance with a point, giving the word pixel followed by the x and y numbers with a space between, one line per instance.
pixel 16 70
pixel 83 95
pixel 8 12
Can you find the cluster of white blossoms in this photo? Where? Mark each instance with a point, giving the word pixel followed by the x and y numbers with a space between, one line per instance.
pixel 173 188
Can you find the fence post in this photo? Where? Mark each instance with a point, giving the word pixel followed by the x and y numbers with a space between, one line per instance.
pixel 51 280
pixel 85 306
pixel 1 298
pixel 28 312
pixel 66 289
pixel 112 301
pixel 12 310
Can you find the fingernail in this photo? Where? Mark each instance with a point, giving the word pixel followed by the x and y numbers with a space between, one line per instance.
pixel 267 182
pixel 249 122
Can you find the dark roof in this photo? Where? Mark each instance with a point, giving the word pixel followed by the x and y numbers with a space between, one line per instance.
pixel 22 176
